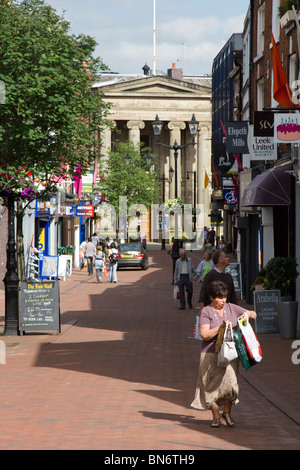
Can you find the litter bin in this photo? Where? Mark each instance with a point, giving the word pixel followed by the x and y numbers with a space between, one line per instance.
pixel 287 319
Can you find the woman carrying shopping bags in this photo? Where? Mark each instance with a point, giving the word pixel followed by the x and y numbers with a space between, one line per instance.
pixel 217 386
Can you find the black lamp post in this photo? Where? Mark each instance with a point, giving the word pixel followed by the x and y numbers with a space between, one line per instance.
pixel 195 189
pixel 157 128
pixel 11 280
pixel 164 179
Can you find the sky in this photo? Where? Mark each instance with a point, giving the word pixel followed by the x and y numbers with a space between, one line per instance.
pixel 189 33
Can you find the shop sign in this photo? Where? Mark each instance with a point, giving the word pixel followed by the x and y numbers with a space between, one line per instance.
pixel 85 211
pixel 223 161
pixel 88 182
pixel 287 128
pixel 261 147
pixel 70 211
pixel 237 137
pixel 42 208
pixel 229 196
pixel 263 124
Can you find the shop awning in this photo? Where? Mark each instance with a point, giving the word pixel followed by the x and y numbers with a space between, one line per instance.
pixel 271 188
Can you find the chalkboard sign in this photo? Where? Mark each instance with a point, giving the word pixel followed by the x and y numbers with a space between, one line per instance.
pixel 265 306
pixel 235 270
pixel 39 306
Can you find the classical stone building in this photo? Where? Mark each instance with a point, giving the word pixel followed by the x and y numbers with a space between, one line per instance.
pixel 137 100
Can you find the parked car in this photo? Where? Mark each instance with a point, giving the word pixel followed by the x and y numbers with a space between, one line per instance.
pixel 132 255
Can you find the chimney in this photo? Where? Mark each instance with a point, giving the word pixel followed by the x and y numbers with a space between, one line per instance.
pixel 175 73
pixel 146 69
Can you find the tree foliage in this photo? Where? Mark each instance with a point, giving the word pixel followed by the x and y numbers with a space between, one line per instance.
pixel 50 114
pixel 130 178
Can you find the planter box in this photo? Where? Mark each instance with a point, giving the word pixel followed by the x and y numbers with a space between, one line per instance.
pixel 287 18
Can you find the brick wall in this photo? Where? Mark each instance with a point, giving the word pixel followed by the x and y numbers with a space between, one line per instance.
pixel 262 64
pixel 3 243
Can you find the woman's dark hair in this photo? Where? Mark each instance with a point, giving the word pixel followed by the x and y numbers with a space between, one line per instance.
pixel 113 245
pixel 217 290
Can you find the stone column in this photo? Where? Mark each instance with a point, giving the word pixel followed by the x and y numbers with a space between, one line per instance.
pixel 105 146
pixel 175 135
pixel 134 130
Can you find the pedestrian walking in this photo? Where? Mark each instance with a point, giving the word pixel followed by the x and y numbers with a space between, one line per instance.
pixel 95 239
pixel 211 236
pixel 175 247
pixel 204 266
pixel 82 253
pixel 183 277
pixel 221 261
pixel 113 264
pixel 217 386
pixel 99 263
pixel 90 253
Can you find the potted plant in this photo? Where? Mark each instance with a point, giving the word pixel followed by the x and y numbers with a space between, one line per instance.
pixel 285 12
pixel 280 274
pixel 286 6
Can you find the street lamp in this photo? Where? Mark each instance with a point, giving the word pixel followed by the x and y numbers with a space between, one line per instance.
pixel 157 128
pixel 195 189
pixel 128 158
pixel 148 159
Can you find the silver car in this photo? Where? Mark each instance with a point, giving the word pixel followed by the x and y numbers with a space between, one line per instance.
pixel 132 255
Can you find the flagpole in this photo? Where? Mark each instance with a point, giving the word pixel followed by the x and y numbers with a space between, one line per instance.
pixel 154 38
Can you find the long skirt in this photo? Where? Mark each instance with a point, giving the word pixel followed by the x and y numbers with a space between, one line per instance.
pixel 215 385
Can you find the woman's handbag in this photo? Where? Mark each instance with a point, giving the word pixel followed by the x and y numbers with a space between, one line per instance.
pixel 252 344
pixel 228 350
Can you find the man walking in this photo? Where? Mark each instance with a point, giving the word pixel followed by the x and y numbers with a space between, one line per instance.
pixel 221 261
pixel 183 276
pixel 90 253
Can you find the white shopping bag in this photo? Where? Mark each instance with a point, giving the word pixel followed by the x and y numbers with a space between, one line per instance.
pixel 175 291
pixel 251 341
pixel 196 329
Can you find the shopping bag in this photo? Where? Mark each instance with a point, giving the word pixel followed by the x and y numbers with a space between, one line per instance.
pixel 175 292
pixel 251 341
pixel 241 349
pixel 220 337
pixel 196 328
pixel 228 350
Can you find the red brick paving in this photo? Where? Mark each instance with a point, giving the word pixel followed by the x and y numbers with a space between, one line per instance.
pixel 122 375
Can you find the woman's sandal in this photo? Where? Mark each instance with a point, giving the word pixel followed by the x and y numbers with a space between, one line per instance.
pixel 215 423
pixel 229 421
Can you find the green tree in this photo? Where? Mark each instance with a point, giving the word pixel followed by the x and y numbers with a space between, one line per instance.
pixel 48 118
pixel 50 114
pixel 129 177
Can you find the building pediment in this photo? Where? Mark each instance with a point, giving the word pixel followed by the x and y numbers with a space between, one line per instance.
pixel 154 86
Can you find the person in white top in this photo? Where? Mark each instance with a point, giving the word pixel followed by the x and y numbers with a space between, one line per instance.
pixel 113 264
pixel 183 276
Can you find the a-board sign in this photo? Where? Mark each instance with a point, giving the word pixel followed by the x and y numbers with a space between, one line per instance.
pixel 39 306
pixel 265 306
pixel 235 270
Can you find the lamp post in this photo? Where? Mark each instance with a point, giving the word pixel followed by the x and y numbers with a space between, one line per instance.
pixel 11 280
pixel 169 180
pixel 157 128
pixel 195 189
